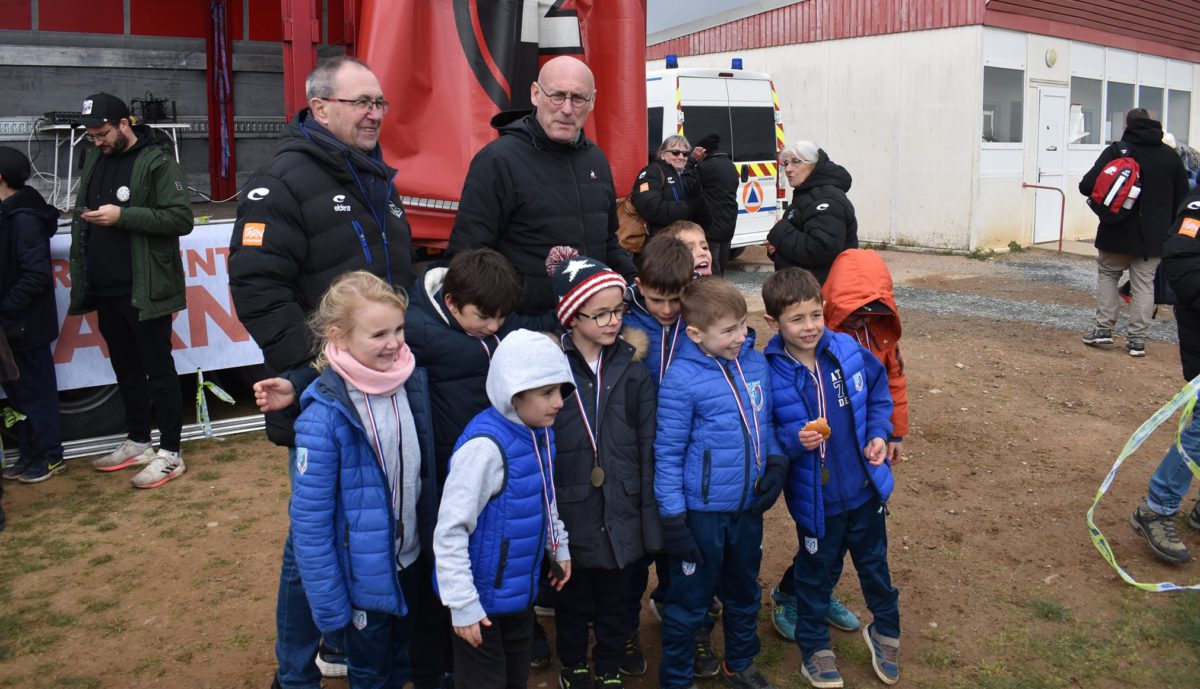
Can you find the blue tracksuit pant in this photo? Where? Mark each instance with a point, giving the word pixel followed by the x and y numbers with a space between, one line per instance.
pixel 862 532
pixel 731 544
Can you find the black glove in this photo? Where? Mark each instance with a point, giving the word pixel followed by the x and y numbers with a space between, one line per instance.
pixel 771 484
pixel 678 541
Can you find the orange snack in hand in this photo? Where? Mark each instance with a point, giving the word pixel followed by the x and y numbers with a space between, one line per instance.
pixel 820 425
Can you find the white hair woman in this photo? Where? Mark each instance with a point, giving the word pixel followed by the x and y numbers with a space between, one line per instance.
pixel 820 222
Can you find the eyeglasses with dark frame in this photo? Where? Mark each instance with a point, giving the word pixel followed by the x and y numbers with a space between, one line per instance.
pixel 676 152
pixel 605 318
pixel 558 97
pixel 363 104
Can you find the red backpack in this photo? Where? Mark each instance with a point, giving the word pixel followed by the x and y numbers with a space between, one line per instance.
pixel 1117 187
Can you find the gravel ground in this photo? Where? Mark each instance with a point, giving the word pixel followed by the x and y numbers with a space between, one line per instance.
pixel 1074 272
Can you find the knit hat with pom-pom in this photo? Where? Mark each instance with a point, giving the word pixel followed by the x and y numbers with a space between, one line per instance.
pixel 575 279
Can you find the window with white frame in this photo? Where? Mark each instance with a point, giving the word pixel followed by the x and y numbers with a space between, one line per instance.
pixel 1003 104
pixel 1086 103
pixel 1120 101
pixel 1179 114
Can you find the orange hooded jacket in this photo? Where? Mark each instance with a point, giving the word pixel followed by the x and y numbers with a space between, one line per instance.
pixel 859 277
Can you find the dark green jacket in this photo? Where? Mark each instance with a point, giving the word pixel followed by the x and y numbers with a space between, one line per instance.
pixel 157 216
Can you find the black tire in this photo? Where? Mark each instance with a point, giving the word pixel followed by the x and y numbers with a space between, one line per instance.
pixel 91 412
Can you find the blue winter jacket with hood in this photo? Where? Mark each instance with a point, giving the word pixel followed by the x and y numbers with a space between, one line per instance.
pixel 343 526
pixel 705 458
pixel 870 402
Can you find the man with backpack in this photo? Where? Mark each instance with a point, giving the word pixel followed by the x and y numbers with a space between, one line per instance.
pixel 1133 225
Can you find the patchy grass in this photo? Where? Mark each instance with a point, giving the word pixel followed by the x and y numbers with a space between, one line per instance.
pixel 1016 248
pixel 1049 610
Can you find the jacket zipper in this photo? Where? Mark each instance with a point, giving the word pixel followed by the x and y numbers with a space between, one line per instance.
pixel 503 564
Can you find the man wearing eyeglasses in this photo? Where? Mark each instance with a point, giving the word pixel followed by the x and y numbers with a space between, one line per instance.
pixel 323 206
pixel 542 184
pixel 131 210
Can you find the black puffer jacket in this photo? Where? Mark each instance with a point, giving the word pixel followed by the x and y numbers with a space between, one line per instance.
pixel 614 525
pixel 319 209
pixel 27 311
pixel 457 363
pixel 820 222
pixel 525 193
pixel 1181 265
pixel 662 195
pixel 1164 184
pixel 719 179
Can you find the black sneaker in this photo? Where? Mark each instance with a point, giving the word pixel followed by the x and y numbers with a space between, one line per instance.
pixel 1160 534
pixel 1135 347
pixel 539 648
pixel 330 661
pixel 12 473
pixel 612 681
pixel 575 677
pixel 633 661
pixel 42 471
pixel 707 664
pixel 750 678
pixel 1098 336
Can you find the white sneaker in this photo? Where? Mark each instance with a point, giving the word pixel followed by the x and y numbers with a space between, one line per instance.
pixel 127 454
pixel 164 467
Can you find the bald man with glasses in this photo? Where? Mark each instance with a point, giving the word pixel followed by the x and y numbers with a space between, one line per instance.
pixel 542 184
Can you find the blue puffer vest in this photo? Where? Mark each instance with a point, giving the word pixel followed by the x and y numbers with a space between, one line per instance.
pixel 870 401
pixel 665 340
pixel 509 539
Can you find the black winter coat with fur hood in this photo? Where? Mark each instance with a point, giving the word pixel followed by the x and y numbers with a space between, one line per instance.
pixel 613 525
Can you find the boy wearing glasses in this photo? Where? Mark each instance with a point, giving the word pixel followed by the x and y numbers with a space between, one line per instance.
pixel 604 472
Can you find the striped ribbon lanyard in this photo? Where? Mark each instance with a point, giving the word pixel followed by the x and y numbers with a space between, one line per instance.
pixel 665 355
pixel 821 407
pixel 548 498
pixel 487 352
pixel 399 474
pixel 742 410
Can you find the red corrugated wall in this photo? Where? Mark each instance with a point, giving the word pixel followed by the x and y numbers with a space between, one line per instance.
pixel 824 20
pixel 1169 28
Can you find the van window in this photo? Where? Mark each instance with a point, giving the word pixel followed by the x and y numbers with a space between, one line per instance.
pixel 699 121
pixel 753 133
pixel 654 125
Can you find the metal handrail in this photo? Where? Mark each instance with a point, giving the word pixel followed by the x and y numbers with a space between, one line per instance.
pixel 1062 213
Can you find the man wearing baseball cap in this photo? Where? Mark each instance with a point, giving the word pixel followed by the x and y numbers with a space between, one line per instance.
pixel 130 211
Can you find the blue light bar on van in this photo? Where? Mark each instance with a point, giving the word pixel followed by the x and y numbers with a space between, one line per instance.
pixel 672 61
pixel 737 63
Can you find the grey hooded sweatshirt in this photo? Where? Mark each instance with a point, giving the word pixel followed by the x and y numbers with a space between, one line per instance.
pixel 525 360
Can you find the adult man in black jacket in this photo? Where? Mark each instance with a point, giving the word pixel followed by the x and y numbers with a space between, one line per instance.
pixel 1154 518
pixel 1135 243
pixel 719 179
pixel 28 318
pixel 543 184
pixel 323 206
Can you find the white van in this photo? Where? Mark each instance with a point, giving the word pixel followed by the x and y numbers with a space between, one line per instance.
pixel 741 107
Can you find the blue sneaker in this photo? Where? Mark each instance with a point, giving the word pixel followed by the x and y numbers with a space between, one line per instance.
pixel 331 662
pixel 13 472
pixel 42 471
pixel 783 613
pixel 839 616
pixel 885 655
pixel 821 670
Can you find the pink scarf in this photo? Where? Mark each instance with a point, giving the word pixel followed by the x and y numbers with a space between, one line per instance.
pixel 366 378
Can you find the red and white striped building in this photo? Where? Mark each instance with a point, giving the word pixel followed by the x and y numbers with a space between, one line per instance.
pixel 941 109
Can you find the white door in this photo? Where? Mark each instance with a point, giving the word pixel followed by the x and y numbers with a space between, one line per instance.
pixel 1051 158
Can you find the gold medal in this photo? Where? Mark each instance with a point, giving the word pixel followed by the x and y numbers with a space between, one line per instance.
pixel 597 476
pixel 824 476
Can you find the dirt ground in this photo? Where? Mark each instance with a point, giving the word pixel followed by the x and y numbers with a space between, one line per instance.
pixel 1014 428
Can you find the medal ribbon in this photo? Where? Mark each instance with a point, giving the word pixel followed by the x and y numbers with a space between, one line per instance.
pixel 394 480
pixel 591 434
pixel 548 497
pixel 742 411
pixel 666 356
pixel 821 407
pixel 487 352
